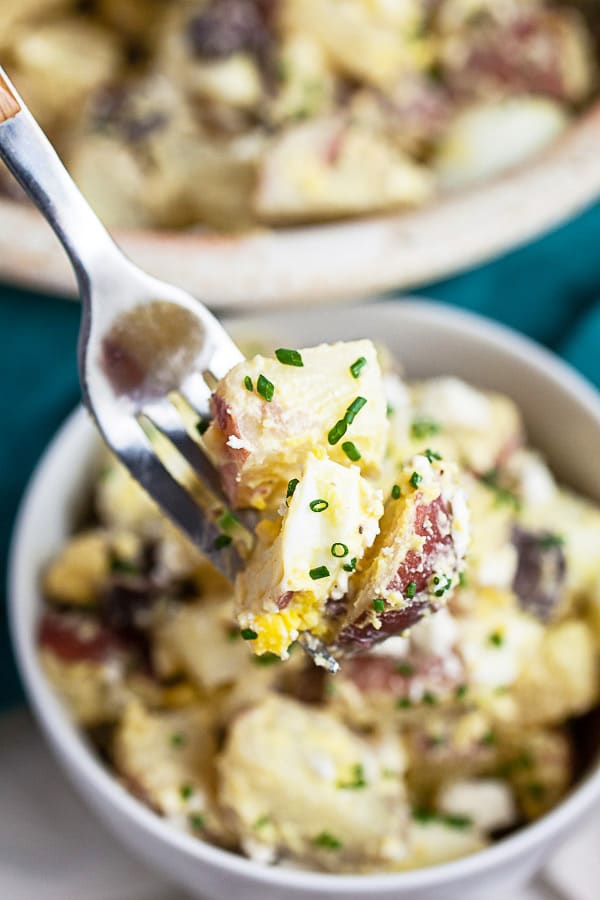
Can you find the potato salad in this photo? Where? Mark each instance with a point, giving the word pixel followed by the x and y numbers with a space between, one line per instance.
pixel 404 529
pixel 242 113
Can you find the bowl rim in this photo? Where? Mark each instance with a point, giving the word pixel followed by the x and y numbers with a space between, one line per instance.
pixel 373 253
pixel 65 735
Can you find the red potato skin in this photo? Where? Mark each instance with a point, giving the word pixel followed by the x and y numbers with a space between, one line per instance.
pixel 524 57
pixel 384 675
pixel 430 522
pixel 65 638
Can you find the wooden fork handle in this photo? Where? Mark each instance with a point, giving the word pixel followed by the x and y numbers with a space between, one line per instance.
pixel 9 105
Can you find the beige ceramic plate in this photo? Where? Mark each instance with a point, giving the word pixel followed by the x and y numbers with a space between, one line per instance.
pixel 335 262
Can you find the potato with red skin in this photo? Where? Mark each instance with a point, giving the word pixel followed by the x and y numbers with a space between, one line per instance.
pixel 416 559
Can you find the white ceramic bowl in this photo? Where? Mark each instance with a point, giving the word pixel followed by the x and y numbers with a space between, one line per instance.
pixel 562 414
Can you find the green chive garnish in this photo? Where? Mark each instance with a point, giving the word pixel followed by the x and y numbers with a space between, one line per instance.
pixel 351 451
pixel 327 841
pixel 443 587
pixel 248 383
pixel 496 638
pixel 265 388
pixel 350 566
pixel 318 505
pixel 186 791
pixel 461 691
pixel 403 703
pixel 416 479
pixel 548 541
pixel 462 579
pixel 411 589
pixel 177 739
pixel 339 550
pixel 223 540
pixel 354 408
pixel 431 455
pixel 405 668
pixel 227 521
pixel 289 357
pixel 248 634
pixel 261 822
pixel 396 492
pixel 422 428
pixel 429 698
pixel 196 820
pixel 319 572
pixel 202 425
pixel 358 779
pixel 337 432
pixel 357 365
pixel 292 485
pixel 379 604
pixel 266 659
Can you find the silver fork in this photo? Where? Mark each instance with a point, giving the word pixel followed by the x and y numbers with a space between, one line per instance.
pixel 143 344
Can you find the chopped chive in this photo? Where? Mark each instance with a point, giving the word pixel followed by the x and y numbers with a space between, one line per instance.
pixel 429 698
pixel 186 791
pixel 403 703
pixel 504 496
pixel 549 541
pixel 354 408
pixel 422 428
pixel 267 659
pixel 415 479
pixel 357 365
pixel 405 668
pixel 443 587
pixel 411 589
pixel 461 691
pixel 196 820
pixel 227 520
pixel 431 455
pixel 202 425
pixel 248 383
pixel 488 739
pixel 124 567
pixel 261 822
pixel 233 633
pixel 462 579
pixel 358 779
pixel 396 492
pixel 292 485
pixel 319 572
pixel 389 410
pixel 337 432
pixel 456 821
pixel 289 357
pixel 265 388
pixel 536 791
pixel 223 540
pixel 350 566
pixel 496 638
pixel 379 604
pixel 351 451
pixel 339 550
pixel 424 815
pixel 248 634
pixel 318 505
pixel 327 841
pixel 177 739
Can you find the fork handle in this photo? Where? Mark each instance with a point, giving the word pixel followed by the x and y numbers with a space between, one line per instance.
pixel 35 164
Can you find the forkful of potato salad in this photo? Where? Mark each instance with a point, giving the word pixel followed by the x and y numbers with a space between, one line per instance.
pixel 348 550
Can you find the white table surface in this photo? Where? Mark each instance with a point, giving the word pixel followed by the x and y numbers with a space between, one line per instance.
pixel 53 848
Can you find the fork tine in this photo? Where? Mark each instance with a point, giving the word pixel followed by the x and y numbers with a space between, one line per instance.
pixel 143 464
pixel 167 420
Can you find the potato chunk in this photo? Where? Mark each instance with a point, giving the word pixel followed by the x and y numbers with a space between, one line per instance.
pixel 415 562
pixel 167 758
pixel 297 782
pixel 260 444
pixel 330 520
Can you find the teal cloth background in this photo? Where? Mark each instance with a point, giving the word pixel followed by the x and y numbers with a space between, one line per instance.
pixel 549 290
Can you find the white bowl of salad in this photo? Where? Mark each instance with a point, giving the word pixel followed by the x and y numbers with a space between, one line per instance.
pixel 456 746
